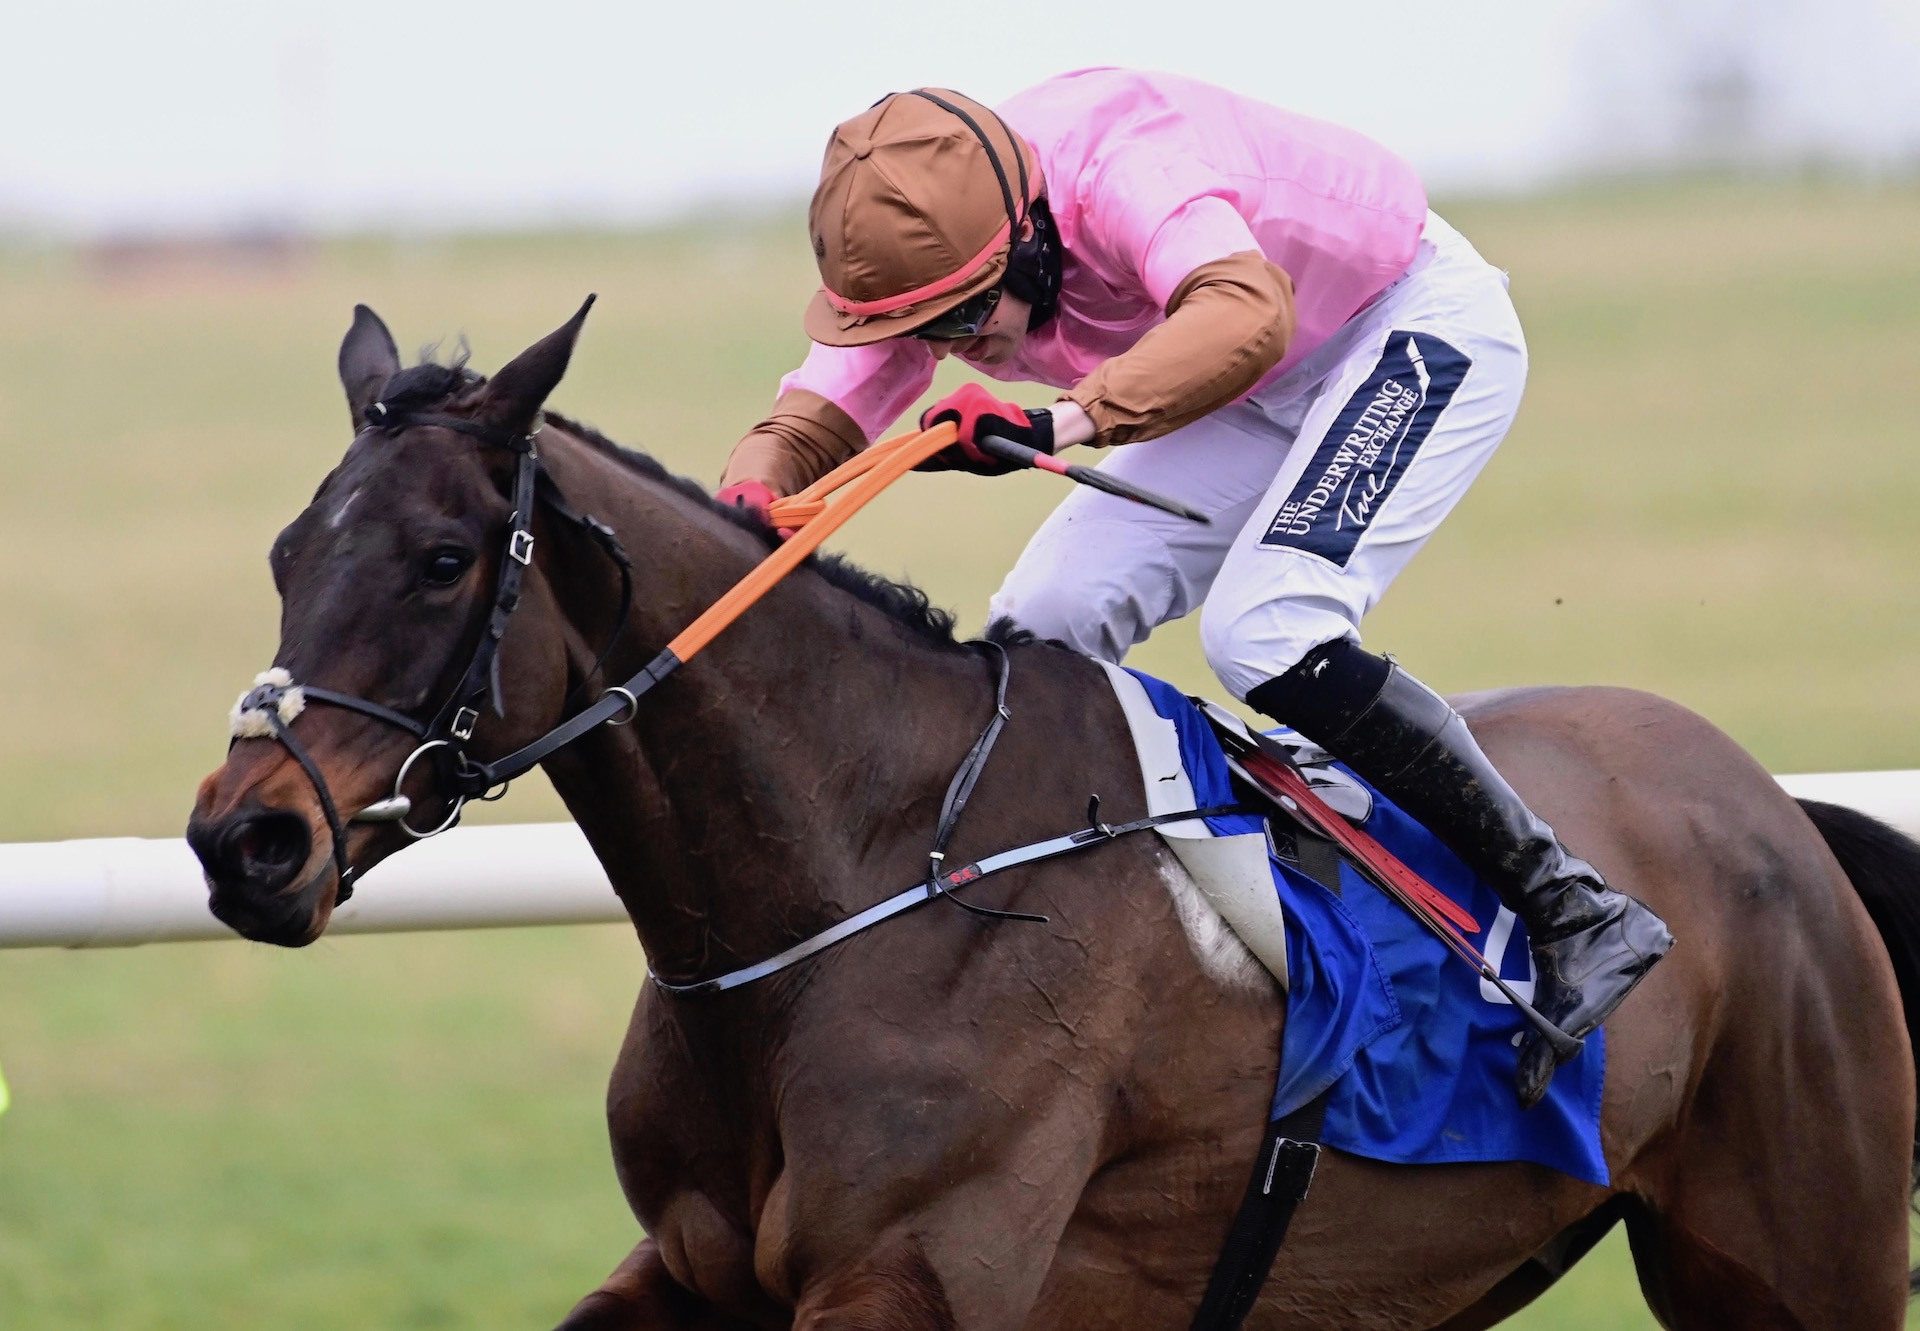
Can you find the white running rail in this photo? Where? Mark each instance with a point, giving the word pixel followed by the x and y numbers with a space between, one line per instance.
pixel 121 891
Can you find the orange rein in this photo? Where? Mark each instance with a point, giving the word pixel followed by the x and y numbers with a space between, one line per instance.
pixel 812 520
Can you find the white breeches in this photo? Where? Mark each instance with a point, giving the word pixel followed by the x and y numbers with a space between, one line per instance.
pixel 1321 486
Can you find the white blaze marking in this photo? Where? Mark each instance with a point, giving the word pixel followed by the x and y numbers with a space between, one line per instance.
pixel 340 513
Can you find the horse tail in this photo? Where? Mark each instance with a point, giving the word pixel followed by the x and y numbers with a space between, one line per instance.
pixel 1883 864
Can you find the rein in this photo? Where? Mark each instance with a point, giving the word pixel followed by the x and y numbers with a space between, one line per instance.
pixel 270 707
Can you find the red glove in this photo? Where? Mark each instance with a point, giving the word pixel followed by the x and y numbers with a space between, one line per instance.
pixel 978 412
pixel 757 498
pixel 754 496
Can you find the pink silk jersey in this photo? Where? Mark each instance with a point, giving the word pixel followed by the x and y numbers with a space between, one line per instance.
pixel 1150 176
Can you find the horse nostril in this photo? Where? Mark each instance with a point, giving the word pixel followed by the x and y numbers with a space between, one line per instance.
pixel 265 849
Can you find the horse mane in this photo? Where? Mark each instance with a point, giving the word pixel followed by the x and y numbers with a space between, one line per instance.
pixel 432 384
pixel 904 603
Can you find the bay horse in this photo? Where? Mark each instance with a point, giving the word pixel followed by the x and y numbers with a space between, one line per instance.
pixel 951 1121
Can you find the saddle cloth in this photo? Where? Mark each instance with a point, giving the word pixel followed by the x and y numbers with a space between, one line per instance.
pixel 1416 1052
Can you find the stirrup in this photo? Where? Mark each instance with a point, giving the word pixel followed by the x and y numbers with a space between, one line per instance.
pixel 1643 940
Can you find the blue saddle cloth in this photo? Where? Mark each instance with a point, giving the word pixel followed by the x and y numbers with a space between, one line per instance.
pixel 1419 1052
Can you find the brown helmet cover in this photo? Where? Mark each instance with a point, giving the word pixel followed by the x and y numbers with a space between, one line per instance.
pixel 909 219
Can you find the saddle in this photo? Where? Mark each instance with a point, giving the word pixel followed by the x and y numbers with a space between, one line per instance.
pixel 1294 783
pixel 1338 790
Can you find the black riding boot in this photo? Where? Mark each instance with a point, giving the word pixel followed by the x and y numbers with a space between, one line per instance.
pixel 1591 945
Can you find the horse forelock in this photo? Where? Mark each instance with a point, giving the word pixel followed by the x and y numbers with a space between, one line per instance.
pixel 432 383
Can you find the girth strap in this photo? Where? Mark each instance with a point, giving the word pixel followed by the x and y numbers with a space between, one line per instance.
pixel 1282 1173
pixel 1282 1170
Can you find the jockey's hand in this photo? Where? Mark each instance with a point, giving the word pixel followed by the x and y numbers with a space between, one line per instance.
pixel 978 412
pixel 754 496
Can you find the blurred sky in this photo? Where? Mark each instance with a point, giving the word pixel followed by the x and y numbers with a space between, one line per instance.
pixel 130 115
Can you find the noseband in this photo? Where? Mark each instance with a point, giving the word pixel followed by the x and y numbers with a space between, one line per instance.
pixel 269 708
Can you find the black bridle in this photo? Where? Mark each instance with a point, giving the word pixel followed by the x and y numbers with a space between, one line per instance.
pixel 446 735
pixel 278 699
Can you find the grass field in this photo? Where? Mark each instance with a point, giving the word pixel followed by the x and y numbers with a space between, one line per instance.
pixel 1710 493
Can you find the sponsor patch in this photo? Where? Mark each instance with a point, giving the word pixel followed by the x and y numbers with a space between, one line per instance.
pixel 1368 448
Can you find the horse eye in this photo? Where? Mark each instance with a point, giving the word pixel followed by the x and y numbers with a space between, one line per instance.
pixel 445 565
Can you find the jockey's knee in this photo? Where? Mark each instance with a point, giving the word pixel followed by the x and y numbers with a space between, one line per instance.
pixel 1247 645
pixel 1100 598
pixel 1098 616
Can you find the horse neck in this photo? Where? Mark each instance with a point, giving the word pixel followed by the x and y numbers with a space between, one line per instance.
pixel 760 791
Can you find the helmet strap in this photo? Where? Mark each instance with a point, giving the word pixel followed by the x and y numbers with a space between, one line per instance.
pixel 1033 266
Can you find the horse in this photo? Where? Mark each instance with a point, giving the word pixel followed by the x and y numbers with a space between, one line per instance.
pixel 952 1120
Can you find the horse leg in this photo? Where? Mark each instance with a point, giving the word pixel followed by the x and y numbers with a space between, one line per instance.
pixel 1539 1272
pixel 1783 1205
pixel 1710 1265
pixel 641 1296
pixel 894 1289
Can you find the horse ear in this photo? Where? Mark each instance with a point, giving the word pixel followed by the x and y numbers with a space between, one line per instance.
pixel 515 394
pixel 368 358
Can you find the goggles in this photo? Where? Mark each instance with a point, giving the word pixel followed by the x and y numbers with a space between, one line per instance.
pixel 962 321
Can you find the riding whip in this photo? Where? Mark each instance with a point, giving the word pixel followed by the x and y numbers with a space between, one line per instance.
pixel 1021 455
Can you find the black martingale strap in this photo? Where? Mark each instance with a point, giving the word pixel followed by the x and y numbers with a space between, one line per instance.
pixel 965 778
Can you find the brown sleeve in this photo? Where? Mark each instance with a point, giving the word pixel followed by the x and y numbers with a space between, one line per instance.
pixel 806 437
pixel 1227 325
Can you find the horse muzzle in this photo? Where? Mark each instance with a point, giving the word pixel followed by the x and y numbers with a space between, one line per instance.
pixel 264 878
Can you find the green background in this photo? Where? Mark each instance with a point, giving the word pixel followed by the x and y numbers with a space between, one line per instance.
pixel 1710 493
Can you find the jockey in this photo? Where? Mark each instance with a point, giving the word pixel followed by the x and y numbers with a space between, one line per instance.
pixel 1260 315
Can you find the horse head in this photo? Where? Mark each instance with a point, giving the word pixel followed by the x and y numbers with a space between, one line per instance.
pixel 392 582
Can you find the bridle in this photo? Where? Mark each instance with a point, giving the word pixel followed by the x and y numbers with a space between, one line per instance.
pixel 269 708
pixel 275 699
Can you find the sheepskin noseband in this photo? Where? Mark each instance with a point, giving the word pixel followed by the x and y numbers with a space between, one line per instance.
pixel 273 690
